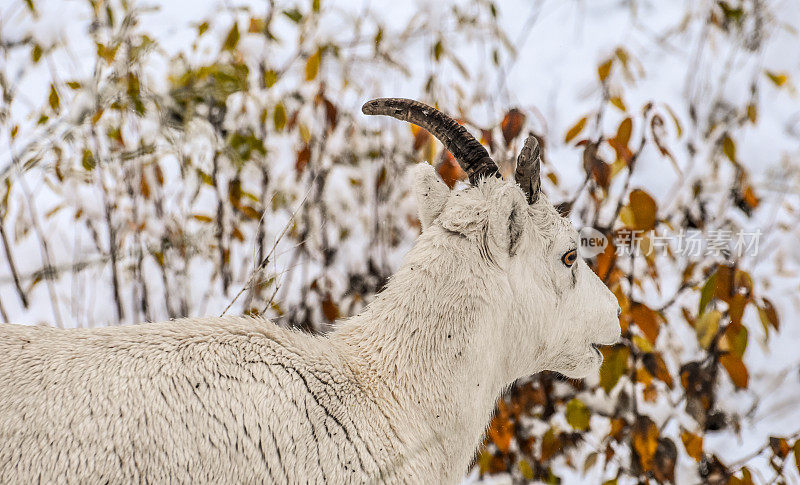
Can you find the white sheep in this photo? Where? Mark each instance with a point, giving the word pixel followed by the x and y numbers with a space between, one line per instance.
pixel 493 290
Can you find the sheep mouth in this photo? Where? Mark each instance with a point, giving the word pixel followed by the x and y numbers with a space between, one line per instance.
pixel 596 348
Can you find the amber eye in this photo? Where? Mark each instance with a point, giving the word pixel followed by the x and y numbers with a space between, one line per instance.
pixel 569 257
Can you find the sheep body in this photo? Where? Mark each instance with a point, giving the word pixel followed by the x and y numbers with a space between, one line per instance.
pixel 233 400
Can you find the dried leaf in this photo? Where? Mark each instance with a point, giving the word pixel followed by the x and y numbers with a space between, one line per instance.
pixel 202 218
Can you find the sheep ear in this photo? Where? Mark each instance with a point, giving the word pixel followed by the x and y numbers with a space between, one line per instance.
pixel 507 222
pixel 431 193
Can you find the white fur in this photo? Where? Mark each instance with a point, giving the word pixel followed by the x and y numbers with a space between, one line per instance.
pixel 400 393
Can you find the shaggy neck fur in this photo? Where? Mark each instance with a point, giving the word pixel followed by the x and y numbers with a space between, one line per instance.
pixel 427 341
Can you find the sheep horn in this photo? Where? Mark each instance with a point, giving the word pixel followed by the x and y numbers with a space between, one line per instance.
pixel 528 174
pixel 470 154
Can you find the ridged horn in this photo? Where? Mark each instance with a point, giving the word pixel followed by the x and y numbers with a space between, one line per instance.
pixel 528 173
pixel 468 152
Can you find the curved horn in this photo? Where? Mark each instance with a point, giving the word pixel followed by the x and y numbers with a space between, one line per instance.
pixel 470 154
pixel 529 163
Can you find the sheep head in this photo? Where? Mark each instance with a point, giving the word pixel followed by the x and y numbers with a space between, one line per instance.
pixel 541 292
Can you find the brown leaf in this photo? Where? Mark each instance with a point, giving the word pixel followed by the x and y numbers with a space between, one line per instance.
pixel 780 447
pixel 329 308
pixel 767 313
pixel 303 157
pixel 501 431
pixel 251 212
pixel 551 444
pixel 512 125
pixel 664 462
pixel 596 168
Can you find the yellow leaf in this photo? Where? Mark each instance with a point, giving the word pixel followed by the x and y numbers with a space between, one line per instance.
pixel 778 78
pixel 279 117
pixel 615 363
pixel 53 98
pixel 643 211
pixel 526 470
pixel 202 218
pixel 642 343
pixel 575 130
pixel 312 66
pixel 752 113
pixel 729 149
pixel 603 70
pixel 706 327
pixel 232 39
pixel 270 78
pixel 578 415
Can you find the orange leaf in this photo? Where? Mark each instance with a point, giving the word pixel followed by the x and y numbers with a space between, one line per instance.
pixel 646 319
pixel 693 445
pixel 645 441
pixel 736 369
pixel 512 124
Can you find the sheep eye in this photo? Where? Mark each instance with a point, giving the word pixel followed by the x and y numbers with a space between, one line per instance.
pixel 569 258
